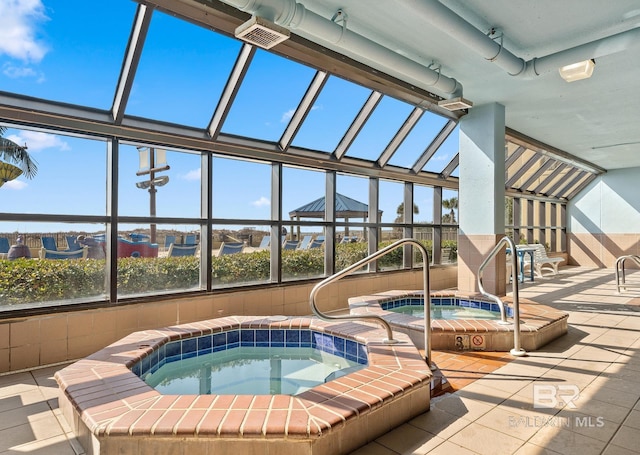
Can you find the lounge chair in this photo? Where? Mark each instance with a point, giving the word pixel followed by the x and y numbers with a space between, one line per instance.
pixel 72 243
pixel 266 240
pixel 190 239
pixel 230 248
pixel 51 254
pixel 290 245
pixel 168 240
pixel 177 250
pixel 4 245
pixel 49 243
pixel 306 240
pixel 540 258
pixel 316 243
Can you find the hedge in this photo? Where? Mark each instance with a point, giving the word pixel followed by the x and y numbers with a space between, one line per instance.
pixel 32 281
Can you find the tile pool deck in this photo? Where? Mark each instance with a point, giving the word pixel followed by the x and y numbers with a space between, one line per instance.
pixel 488 412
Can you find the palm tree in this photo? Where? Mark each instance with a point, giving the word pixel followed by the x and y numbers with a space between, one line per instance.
pixel 14 153
pixel 400 212
pixel 451 204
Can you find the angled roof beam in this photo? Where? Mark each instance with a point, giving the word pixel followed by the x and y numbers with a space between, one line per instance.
pixel 453 164
pixel 131 59
pixel 531 180
pixel 570 184
pixel 517 153
pixel 434 146
pixel 538 189
pixel 400 136
pixel 523 170
pixel 581 186
pixel 357 124
pixel 561 181
pixel 231 88
pixel 303 109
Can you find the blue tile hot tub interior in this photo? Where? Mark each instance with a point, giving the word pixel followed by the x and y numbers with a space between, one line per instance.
pixel 445 301
pixel 280 338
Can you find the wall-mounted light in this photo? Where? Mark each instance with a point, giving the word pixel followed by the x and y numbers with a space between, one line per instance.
pixel 577 71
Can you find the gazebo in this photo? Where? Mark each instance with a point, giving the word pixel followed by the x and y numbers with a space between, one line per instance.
pixel 346 208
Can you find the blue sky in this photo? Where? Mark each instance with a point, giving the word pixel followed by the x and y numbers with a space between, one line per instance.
pixel 63 50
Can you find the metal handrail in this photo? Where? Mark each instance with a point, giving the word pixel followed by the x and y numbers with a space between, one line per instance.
pixel 517 350
pixel 620 269
pixel 427 294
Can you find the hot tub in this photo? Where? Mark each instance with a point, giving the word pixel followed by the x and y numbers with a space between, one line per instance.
pixel 539 324
pixel 112 410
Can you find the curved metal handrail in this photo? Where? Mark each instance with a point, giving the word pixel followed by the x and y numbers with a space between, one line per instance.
pixel 620 269
pixel 517 350
pixel 427 293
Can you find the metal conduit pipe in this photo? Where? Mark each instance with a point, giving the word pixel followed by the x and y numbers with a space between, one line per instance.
pixel 294 16
pixel 449 22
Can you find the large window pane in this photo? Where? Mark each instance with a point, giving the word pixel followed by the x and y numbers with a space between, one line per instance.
pixel 268 97
pixel 66 50
pixel 50 264
pixel 234 197
pixel 176 191
pixel 178 56
pixel 170 264
pixel 333 112
pixel 418 140
pixel 71 177
pixel 303 252
pixel 241 255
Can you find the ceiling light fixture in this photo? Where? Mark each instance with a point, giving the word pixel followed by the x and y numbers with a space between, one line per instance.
pixel 455 104
pixel 261 32
pixel 577 71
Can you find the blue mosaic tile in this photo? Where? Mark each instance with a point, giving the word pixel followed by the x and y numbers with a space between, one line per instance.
pixel 262 337
pixel 173 350
pixel 189 346
pixel 233 337
pixel 339 345
pixel 485 306
pixel 248 338
pixel 305 338
pixel 205 343
pixel 219 341
pixel 292 338
pixel 136 369
pixel 146 364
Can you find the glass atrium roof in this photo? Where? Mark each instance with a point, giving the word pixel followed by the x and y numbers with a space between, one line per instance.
pixel 144 74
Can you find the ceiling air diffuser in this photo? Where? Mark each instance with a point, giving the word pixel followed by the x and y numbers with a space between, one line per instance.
pixel 455 104
pixel 261 32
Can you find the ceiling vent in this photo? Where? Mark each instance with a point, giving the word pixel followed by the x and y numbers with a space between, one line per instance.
pixel 455 104
pixel 261 32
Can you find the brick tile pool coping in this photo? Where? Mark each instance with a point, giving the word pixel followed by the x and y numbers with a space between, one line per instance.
pixel 536 319
pixel 102 396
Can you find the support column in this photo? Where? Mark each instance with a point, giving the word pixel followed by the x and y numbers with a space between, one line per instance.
pixel 481 198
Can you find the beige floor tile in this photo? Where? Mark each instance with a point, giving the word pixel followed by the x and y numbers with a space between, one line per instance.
pixel 567 442
pixel 617 450
pixel 508 422
pixel 589 425
pixel 374 449
pixel 57 445
pixel 484 440
pixel 633 419
pixel 28 397
pixel 626 437
pixel 532 449
pixel 449 448
pixel 609 395
pixel 478 390
pixel 24 414
pixel 462 407
pixel 409 439
pixel 439 422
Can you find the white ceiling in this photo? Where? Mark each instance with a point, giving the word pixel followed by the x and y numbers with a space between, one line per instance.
pixel 596 119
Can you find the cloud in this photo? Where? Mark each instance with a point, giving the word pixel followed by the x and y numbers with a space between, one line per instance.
pixel 37 141
pixel 287 116
pixel 20 20
pixel 15 72
pixel 192 175
pixel 262 202
pixel 15 185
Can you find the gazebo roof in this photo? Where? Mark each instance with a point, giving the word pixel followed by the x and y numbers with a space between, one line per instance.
pixel 345 208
